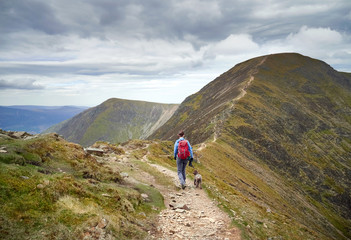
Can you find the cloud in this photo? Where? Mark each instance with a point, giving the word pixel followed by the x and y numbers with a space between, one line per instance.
pixel 208 21
pixel 315 37
pixel 323 43
pixel 284 10
pixel 94 56
pixel 113 45
pixel 20 15
pixel 232 45
pixel 26 84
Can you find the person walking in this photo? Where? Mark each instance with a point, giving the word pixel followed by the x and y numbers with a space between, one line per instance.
pixel 183 152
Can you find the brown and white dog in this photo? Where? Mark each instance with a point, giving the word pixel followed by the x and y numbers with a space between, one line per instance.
pixel 197 179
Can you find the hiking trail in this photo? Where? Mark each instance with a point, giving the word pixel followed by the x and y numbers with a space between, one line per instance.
pixel 189 213
pixel 220 118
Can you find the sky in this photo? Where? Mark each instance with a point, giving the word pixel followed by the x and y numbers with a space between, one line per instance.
pixel 83 52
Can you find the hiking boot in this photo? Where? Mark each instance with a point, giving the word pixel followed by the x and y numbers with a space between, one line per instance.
pixel 183 186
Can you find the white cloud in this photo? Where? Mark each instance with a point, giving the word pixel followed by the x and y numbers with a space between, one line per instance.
pixel 325 44
pixel 315 37
pixel 232 45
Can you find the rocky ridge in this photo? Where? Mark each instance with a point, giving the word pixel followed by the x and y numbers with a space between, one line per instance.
pixel 277 130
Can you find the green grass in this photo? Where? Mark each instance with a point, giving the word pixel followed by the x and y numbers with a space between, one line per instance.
pixel 159 177
pixel 64 204
pixel 183 117
pixel 195 102
pixel 155 202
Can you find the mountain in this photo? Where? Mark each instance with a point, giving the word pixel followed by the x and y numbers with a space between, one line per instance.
pixel 35 119
pixel 115 120
pixel 274 137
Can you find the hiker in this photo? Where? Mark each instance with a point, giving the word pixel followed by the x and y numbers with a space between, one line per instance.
pixel 182 153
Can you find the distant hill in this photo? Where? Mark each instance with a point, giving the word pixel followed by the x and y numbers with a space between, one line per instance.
pixel 35 119
pixel 115 120
pixel 276 129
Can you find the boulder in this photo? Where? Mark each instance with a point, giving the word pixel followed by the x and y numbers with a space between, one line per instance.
pixel 102 223
pixel 145 197
pixel 20 134
pixel 3 150
pixel 94 151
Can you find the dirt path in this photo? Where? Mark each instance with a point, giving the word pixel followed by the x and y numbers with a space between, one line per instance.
pixel 189 213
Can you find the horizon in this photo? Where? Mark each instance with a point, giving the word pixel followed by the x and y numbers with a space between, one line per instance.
pixel 89 52
pixel 53 106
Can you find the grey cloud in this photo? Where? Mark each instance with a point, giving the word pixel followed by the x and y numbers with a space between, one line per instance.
pixel 110 12
pixel 26 84
pixel 164 19
pixel 172 19
pixel 151 19
pixel 18 15
pixel 91 69
pixel 200 22
pixel 36 69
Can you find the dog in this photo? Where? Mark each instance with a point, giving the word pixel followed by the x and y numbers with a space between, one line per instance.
pixel 197 179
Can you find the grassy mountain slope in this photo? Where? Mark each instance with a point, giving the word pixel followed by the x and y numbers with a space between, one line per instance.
pixel 115 120
pixel 277 131
pixel 198 113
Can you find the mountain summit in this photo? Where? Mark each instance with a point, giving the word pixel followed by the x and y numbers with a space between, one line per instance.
pixel 277 128
pixel 283 76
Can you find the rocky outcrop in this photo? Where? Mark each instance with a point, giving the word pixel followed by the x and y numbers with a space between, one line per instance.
pixel 16 135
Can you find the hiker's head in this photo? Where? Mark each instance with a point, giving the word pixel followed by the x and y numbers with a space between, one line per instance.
pixel 181 134
pixel 195 172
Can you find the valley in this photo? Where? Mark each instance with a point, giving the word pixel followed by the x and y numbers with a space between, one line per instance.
pixel 35 119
